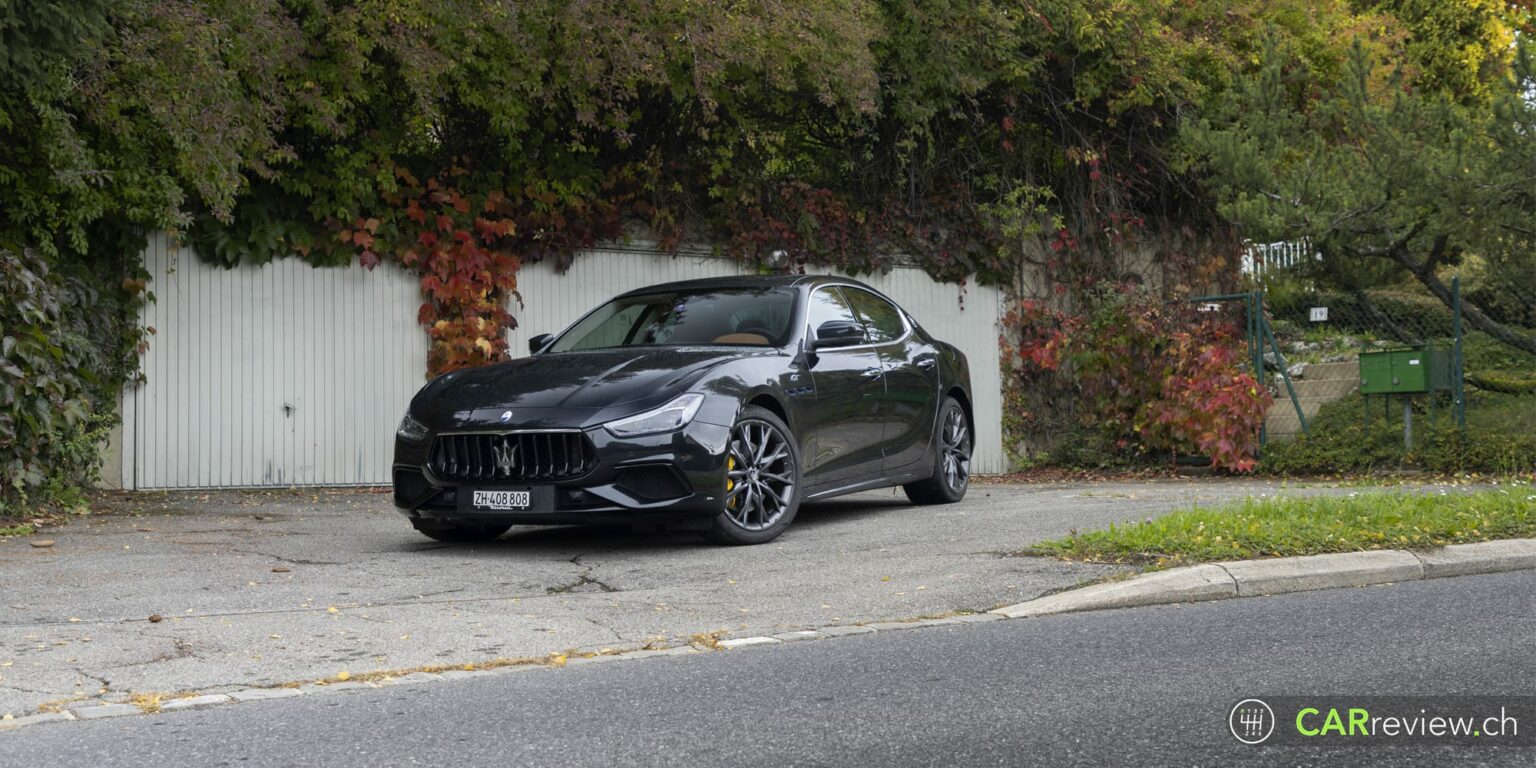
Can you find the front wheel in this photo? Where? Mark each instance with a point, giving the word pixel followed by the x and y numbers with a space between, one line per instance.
pixel 952 466
pixel 762 485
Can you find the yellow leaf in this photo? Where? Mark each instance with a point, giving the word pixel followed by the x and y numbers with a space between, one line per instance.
pixel 344 675
pixel 332 609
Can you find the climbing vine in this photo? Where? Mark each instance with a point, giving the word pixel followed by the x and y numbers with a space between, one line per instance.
pixel 1144 377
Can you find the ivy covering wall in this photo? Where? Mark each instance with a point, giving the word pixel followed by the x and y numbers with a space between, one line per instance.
pixel 463 138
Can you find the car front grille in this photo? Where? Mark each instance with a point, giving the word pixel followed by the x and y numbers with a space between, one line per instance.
pixel 512 456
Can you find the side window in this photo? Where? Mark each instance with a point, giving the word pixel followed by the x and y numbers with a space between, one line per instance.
pixel 827 304
pixel 881 318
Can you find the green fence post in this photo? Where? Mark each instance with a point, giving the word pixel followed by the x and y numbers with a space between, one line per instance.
pixel 1458 373
pixel 1285 375
pixel 1256 302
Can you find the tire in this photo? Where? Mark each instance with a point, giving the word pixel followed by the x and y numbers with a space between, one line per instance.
pixel 761 495
pixel 953 440
pixel 459 533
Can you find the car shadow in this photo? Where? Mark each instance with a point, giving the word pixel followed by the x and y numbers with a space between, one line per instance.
pixel 563 539
pixel 816 513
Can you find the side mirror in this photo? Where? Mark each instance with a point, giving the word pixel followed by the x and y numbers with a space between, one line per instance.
pixel 539 342
pixel 837 333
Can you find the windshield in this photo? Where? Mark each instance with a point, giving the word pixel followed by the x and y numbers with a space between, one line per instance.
pixel 729 316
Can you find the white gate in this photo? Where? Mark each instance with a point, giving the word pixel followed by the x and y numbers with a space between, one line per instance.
pixel 276 375
pixel 286 374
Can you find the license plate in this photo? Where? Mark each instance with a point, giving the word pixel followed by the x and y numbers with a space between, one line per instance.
pixel 502 500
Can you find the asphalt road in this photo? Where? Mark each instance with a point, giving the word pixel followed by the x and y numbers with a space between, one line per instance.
pixel 1146 686
pixel 262 588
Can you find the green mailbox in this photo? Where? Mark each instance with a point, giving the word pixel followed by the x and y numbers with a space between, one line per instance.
pixel 1405 371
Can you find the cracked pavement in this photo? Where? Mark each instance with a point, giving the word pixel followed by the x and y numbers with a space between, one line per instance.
pixel 178 591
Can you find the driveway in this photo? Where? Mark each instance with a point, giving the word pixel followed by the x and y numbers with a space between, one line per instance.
pixel 198 590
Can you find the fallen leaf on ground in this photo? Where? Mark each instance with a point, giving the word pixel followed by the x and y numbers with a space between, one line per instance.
pixel 280 569
pixel 344 675
pixel 155 618
pixel 42 543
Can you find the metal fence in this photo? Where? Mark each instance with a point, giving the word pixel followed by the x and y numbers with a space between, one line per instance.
pixel 1400 377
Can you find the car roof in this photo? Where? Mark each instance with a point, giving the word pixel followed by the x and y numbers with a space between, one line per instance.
pixel 743 281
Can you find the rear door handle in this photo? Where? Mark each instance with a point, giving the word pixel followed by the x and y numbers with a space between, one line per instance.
pixel 873 373
pixel 925 363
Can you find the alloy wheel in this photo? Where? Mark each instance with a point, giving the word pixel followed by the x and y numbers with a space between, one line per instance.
pixel 957 450
pixel 760 476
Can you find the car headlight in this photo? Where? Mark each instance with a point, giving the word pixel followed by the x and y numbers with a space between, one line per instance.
pixel 668 417
pixel 410 429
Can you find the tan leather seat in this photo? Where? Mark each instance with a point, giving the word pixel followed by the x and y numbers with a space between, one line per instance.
pixel 754 339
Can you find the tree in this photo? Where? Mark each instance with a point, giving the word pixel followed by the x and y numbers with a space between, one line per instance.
pixel 1376 170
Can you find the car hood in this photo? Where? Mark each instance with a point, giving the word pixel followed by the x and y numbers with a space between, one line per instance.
pixel 561 388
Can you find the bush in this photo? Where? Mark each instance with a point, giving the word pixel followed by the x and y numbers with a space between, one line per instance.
pixel 1500 439
pixel 1133 378
pixel 56 385
pixel 1394 315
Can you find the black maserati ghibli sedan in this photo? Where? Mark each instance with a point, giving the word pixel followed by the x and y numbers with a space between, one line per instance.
pixel 714 405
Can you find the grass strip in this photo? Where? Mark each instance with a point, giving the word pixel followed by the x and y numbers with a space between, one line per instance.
pixel 1307 525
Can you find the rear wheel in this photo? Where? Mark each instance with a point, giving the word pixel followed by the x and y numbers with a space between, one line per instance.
pixel 762 486
pixel 952 466
pixel 459 533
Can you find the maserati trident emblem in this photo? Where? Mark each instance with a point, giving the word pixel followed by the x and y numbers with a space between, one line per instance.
pixel 503 453
pixel 506 416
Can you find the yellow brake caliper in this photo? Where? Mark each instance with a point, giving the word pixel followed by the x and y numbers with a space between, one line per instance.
pixel 730 465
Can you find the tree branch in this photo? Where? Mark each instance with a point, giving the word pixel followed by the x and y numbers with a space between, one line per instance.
pixel 1475 316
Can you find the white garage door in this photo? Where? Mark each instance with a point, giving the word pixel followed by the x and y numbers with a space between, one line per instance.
pixel 287 375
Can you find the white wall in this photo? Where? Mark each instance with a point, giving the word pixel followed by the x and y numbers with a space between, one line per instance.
pixel 270 376
pixel 289 375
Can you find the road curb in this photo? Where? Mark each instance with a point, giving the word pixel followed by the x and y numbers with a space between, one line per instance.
pixel 1484 557
pixel 1304 574
pixel 1195 583
pixel 1277 576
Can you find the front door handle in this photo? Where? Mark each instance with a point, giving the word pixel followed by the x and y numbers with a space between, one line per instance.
pixel 873 373
pixel 925 363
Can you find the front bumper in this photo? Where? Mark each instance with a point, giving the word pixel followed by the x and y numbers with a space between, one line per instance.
pixel 668 479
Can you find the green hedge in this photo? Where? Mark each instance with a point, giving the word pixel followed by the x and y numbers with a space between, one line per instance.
pixel 1423 317
pixel 58 380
